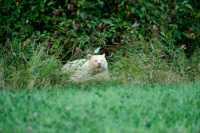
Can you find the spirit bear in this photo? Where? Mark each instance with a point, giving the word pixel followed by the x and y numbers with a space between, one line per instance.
pixel 95 67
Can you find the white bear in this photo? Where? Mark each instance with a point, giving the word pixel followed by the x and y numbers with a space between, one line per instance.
pixel 95 67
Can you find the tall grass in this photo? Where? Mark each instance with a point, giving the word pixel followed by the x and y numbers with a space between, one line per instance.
pixel 2 82
pixel 34 69
pixel 138 61
pixel 150 61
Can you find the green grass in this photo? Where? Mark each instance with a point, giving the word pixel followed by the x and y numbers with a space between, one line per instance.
pixel 102 109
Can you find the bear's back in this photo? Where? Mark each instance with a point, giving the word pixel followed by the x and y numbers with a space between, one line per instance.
pixel 73 66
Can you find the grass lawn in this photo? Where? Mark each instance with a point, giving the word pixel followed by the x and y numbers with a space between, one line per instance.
pixel 102 109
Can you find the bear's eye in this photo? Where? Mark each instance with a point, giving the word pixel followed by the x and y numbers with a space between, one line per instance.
pixel 95 60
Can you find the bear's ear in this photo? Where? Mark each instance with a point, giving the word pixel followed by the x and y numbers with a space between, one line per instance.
pixel 89 56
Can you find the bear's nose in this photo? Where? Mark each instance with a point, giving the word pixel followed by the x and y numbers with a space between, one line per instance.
pixel 99 64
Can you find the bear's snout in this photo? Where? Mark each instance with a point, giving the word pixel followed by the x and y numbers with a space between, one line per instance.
pixel 98 64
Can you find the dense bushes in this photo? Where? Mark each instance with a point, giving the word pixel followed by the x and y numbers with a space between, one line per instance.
pixel 152 35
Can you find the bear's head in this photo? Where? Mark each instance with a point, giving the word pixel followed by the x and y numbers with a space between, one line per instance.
pixel 98 63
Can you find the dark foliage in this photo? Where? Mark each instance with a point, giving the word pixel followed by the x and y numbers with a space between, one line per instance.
pixel 21 18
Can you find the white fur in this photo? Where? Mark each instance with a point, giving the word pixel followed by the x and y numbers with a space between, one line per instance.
pixel 94 68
